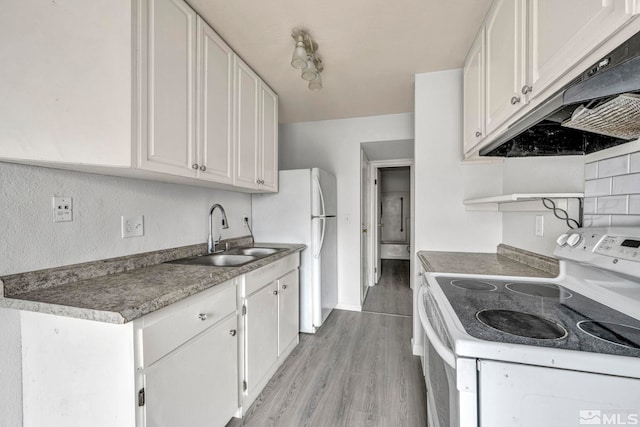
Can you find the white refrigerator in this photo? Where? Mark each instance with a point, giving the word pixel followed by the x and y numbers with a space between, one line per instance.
pixel 304 211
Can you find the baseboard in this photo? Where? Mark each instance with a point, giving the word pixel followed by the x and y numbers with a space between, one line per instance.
pixel 348 307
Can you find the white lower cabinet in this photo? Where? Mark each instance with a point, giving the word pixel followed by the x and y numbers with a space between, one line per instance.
pixel 271 322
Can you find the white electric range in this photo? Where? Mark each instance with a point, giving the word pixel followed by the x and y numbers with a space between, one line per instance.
pixel 532 352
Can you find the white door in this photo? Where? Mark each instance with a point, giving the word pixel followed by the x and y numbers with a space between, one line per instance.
pixel 505 61
pixel 261 334
pixel 473 77
pixel 268 164
pixel 561 33
pixel 364 226
pixel 215 106
pixel 246 125
pixel 196 385
pixel 169 105
pixel 378 260
pixel 288 310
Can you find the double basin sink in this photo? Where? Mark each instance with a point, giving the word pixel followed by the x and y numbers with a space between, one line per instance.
pixel 231 258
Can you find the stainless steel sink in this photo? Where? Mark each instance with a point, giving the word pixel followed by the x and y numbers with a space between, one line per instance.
pixel 231 258
pixel 217 260
pixel 259 252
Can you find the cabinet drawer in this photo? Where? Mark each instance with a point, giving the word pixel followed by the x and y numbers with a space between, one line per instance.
pixel 169 327
pixel 256 279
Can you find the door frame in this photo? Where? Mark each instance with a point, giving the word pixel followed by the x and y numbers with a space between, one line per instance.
pixel 374 252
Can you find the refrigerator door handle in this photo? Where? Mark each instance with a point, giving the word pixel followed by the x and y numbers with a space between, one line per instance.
pixel 319 247
pixel 317 181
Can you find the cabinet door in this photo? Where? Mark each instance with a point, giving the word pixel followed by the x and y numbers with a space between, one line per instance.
pixel 564 32
pixel 473 78
pixel 246 125
pixel 261 334
pixel 288 310
pixel 197 384
pixel 215 103
pixel 268 139
pixel 168 102
pixel 505 57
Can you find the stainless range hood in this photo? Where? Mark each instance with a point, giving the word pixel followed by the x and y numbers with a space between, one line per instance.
pixel 597 110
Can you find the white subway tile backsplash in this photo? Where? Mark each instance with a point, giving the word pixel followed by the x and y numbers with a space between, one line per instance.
pixel 614 166
pixel 634 204
pixel 612 205
pixel 597 187
pixel 626 184
pixel 590 205
pixel 634 162
pixel 597 221
pixel 591 171
pixel 625 220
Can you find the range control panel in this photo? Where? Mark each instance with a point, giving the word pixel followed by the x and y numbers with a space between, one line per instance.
pixel 620 247
pixel 612 248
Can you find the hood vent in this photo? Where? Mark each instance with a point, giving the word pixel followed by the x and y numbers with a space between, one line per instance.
pixel 619 118
pixel 597 110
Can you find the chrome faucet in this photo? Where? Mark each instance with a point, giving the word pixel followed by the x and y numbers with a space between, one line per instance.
pixel 211 244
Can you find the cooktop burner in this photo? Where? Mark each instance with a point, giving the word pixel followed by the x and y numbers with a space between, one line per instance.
pixel 473 285
pixel 614 333
pixel 522 324
pixel 544 290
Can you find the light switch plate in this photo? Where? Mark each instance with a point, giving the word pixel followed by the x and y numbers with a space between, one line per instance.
pixel 539 225
pixel 132 226
pixel 62 209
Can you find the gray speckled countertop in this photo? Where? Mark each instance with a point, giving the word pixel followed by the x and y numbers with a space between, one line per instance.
pixel 120 296
pixel 478 263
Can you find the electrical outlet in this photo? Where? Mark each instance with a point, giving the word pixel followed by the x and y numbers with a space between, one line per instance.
pixel 62 209
pixel 132 226
pixel 245 219
pixel 539 225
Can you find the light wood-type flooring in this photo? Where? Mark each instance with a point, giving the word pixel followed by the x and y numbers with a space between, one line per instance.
pixel 357 370
pixel 392 294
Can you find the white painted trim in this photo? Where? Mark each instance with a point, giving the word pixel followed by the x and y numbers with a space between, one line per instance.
pixel 418 350
pixel 348 307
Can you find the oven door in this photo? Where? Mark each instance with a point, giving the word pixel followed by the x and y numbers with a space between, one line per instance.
pixel 445 374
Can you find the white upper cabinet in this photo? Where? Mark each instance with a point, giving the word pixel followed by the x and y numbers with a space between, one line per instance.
pixel 215 106
pixel 141 88
pixel 268 162
pixel 505 61
pixel 474 86
pixel 256 131
pixel 528 49
pixel 168 102
pixel 561 33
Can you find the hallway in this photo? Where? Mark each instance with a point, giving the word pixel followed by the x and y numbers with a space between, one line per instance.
pixel 392 294
pixel 358 370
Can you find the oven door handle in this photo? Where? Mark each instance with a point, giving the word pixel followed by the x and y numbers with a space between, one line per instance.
pixel 442 350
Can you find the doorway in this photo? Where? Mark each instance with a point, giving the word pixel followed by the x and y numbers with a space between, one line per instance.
pixel 387 231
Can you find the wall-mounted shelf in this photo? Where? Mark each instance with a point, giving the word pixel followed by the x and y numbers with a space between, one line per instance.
pixel 530 202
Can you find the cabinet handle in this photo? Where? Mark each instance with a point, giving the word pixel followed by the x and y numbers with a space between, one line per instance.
pixel 275 292
pixel 526 89
pixel 257 181
pixel 203 168
pixel 232 332
pixel 515 100
pixel 284 287
pixel 194 166
pixel 203 316
pixel 478 134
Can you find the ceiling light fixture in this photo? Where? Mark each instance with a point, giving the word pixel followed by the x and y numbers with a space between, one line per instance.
pixel 305 58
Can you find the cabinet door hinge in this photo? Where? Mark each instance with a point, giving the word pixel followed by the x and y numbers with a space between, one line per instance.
pixel 244 309
pixel 141 397
pixel 375 270
pixel 244 386
pixel 375 182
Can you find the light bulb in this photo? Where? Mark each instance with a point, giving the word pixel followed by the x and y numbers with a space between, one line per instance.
pixel 316 84
pixel 309 73
pixel 299 57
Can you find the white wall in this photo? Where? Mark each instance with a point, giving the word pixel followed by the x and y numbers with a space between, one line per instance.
pixel 175 215
pixel 442 182
pixel 334 145
pixel 563 174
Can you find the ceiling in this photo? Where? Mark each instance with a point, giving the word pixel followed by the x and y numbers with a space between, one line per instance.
pixel 371 49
